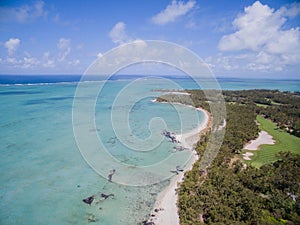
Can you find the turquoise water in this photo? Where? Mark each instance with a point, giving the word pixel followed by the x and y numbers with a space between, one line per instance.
pixel 43 174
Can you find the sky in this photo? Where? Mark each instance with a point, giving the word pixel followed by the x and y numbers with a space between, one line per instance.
pixel 235 38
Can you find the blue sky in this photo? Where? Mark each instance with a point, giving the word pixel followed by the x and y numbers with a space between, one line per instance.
pixel 236 38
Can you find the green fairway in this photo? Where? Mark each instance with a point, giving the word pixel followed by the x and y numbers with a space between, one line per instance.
pixel 283 142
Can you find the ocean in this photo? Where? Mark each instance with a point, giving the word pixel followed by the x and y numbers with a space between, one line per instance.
pixel 44 170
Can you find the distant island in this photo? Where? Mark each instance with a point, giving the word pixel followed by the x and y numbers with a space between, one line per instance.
pixel 259 184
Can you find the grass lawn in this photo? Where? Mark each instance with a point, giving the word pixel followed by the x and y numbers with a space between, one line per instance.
pixel 283 142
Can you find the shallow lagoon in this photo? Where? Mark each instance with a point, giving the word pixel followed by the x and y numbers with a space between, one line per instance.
pixel 43 175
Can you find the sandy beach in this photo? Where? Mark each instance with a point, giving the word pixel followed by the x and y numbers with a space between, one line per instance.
pixel 165 208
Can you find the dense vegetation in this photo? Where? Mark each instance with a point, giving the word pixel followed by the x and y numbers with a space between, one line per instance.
pixel 282 108
pixel 230 192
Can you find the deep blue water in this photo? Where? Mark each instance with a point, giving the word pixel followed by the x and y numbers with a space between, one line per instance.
pixel 185 82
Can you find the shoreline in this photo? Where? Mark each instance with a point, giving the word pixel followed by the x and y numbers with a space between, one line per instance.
pixel 165 209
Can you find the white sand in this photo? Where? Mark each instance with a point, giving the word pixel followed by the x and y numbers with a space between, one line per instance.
pixel 190 138
pixel 174 93
pixel 178 93
pixel 167 199
pixel 247 155
pixel 263 139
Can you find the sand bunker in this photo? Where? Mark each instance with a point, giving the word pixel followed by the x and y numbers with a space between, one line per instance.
pixel 263 139
pixel 247 155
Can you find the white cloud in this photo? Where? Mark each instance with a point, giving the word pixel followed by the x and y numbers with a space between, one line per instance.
pixel 49 64
pixel 29 62
pixel 118 34
pixel 255 28
pixel 38 10
pixel 12 60
pixel 260 31
pixel 60 59
pixel 173 11
pixel 24 13
pixel 99 55
pixel 74 62
pixel 226 62
pixel 63 43
pixel 48 61
pixel 291 10
pixel 284 42
pixel 25 63
pixel 12 45
pixel 264 58
pixel 46 55
pixel 64 46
